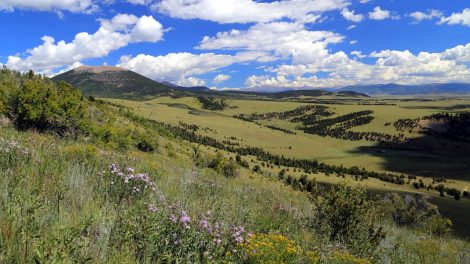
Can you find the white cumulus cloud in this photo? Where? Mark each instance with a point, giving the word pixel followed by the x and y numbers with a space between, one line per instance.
pixel 389 66
pixel 280 39
pixel 177 67
pixel 190 81
pixel 221 78
pixel 420 16
pixel 112 35
pixel 462 18
pixel 247 11
pixel 75 6
pixel 349 15
pixel 379 14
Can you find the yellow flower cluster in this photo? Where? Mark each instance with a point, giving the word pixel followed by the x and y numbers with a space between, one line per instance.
pixel 277 249
pixel 347 258
pixel 270 248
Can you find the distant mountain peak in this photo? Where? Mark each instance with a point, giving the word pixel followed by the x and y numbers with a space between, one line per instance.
pixel 113 82
pixel 98 69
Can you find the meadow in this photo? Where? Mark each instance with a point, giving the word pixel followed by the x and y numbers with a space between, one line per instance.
pixel 222 126
pixel 88 181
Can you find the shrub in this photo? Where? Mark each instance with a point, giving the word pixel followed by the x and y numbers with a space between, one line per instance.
pixel 438 225
pixel 230 170
pixel 145 143
pixel 345 215
pixel 220 164
pixel 45 106
pixel 411 211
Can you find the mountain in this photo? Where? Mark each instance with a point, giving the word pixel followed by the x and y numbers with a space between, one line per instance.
pixel 398 89
pixel 315 93
pixel 115 82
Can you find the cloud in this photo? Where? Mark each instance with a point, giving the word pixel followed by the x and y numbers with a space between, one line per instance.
pixel 112 35
pixel 460 53
pixel 349 15
pixel 462 18
pixel 389 66
pixel 420 16
pixel 75 6
pixel 190 82
pixel 140 2
pixel 247 11
pixel 221 78
pixel 282 40
pixel 351 27
pixel 357 54
pixel 352 42
pixel 379 14
pixel 177 67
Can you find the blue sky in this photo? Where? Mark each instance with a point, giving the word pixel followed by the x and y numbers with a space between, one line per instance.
pixel 244 44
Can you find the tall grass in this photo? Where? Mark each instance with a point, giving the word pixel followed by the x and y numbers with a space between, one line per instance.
pixel 57 205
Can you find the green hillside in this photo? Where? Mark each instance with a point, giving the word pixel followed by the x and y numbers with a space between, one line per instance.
pixel 86 180
pixel 114 82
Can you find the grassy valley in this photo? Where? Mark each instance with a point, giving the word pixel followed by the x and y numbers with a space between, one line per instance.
pixel 228 179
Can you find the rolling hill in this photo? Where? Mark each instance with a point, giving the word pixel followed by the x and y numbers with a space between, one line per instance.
pixel 114 82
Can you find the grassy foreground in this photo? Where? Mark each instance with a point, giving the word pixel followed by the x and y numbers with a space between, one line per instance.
pixel 57 205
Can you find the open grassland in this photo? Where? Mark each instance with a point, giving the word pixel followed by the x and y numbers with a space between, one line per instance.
pixel 88 181
pixel 68 213
pixel 223 126
pixel 361 153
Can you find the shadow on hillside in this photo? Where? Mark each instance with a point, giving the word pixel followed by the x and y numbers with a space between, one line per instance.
pixel 425 156
pixel 432 157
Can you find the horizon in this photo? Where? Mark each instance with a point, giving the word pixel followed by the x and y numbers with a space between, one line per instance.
pixel 284 45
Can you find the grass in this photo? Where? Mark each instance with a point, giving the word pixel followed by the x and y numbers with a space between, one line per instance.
pixel 127 190
pixel 51 193
pixel 329 150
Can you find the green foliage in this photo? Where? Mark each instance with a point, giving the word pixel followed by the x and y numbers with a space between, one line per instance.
pixel 347 216
pixel 145 142
pixel 45 106
pixel 411 211
pixel 437 225
pixel 220 164
pixel 66 245
pixel 212 103
pixel 416 212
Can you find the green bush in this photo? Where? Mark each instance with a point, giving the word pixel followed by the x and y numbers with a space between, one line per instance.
pixel 438 225
pixel 145 142
pixel 44 106
pixel 347 216
pixel 220 164
pixel 411 211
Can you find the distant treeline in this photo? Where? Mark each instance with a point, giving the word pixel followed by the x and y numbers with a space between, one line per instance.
pixel 457 125
pixel 212 103
pixel 337 127
pixel 318 110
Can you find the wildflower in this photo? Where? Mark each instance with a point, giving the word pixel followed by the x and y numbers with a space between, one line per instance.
pixel 185 219
pixel 173 219
pixel 239 239
pixel 152 208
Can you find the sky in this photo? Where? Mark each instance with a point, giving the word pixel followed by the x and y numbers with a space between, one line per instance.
pixel 244 44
